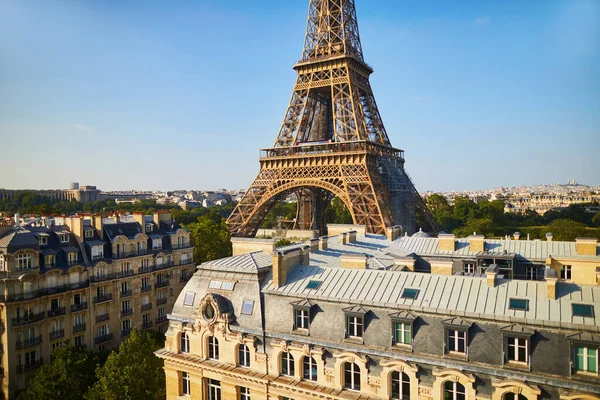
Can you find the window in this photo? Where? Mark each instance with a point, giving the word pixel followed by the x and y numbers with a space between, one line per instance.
pixel 309 368
pixel 454 391
pixel 585 359
pixel 410 294
pixel 89 233
pixel 72 257
pixel 313 284
pixel 157 244
pixel 43 240
pixel 188 300
pixel 456 341
pixel 565 272
pixel 102 330
pixel 221 285
pixel 214 389
pixel 583 310
pixel 1 263
pixel 79 341
pixel 287 364
pixel 301 318
pixel 402 333
pixel 23 261
pixel 354 326
pixel 243 355
pixel 513 396
pixel 185 383
pixel 184 343
pixel 517 349
pixel 49 260
pixel 149 227
pixel 125 326
pixel 244 393
pixel 247 307
pixel 518 304
pixel 531 273
pixel 213 348
pixel 64 238
pixel 400 386
pixel 351 376
pixel 469 268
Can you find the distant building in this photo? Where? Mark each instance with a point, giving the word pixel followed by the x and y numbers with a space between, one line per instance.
pixel 86 280
pixel 355 316
pixel 84 194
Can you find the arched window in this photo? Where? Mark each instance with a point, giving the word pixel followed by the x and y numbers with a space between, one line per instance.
pixel 513 396
pixel 400 386
pixel 351 376
pixel 184 343
pixel 287 364
pixel 213 348
pixel 309 368
pixel 243 355
pixel 454 391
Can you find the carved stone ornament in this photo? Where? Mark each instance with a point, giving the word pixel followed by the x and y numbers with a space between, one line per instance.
pixel 425 391
pixel 211 309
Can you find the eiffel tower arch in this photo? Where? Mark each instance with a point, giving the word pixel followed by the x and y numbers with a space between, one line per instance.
pixel 332 141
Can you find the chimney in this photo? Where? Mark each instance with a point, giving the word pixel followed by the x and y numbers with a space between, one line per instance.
pixel 476 242
pixel 242 245
pixel 98 224
pixel 343 238
pixel 323 242
pixel 314 244
pixel 491 273
pixel 117 218
pixel 75 225
pixel 351 236
pixel 138 217
pixel 586 246
pixel 447 242
pixel 354 261
pixel 285 260
pixel 549 236
pixel 517 235
pixel 389 233
pixel 551 282
pixel 162 216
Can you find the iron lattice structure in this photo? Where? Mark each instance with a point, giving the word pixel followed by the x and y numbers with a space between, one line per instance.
pixel 332 141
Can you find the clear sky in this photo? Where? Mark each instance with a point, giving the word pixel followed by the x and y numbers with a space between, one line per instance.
pixel 182 94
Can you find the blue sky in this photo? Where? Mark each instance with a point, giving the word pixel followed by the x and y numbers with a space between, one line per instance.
pixel 182 94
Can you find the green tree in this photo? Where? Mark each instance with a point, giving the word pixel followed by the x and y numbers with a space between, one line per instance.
pixel 211 238
pixel 596 219
pixel 481 226
pixel 133 372
pixel 566 229
pixel 67 377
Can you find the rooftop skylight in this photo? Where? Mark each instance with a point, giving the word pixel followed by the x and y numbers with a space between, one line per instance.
pixel 518 304
pixel 313 284
pixel 410 293
pixel 583 310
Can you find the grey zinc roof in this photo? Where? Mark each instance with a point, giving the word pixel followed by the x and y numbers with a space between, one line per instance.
pixel 18 238
pixel 528 249
pixel 441 294
pixel 246 263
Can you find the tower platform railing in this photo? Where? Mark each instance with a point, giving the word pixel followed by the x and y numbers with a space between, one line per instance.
pixel 321 148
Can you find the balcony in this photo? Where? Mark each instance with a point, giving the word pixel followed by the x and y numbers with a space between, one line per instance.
pixel 146 288
pixel 97 257
pixel 78 285
pixel 79 327
pixel 57 334
pixel 28 342
pixel 56 312
pixel 147 325
pixel 319 150
pixel 162 300
pixel 163 283
pixel 126 293
pixel 161 320
pixel 103 338
pixel 57 289
pixel 125 332
pixel 102 298
pixel 30 366
pixel 135 253
pixel 184 278
pixel 79 307
pixel 102 317
pixel 126 312
pixel 176 246
pixel 28 319
pixel 186 262
pixel 146 307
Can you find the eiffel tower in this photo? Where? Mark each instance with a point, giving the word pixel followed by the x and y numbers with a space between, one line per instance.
pixel 332 141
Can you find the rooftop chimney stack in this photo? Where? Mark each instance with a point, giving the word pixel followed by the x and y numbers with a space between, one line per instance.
pixel 491 273
pixel 551 282
pixel 549 236
pixel 517 235
pixel 447 242
pixel 323 242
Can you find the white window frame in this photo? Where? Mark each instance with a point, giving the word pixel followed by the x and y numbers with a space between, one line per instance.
pixel 213 348
pixel 184 343
pixel 404 327
pixel 244 393
pixel 401 383
pixel 353 322
pixel 469 268
pixel 454 336
pixel 531 273
pixel 289 360
pixel 301 318
pixel 243 355
pixel 585 359
pixel 24 261
pixel 49 260
pixel 43 240
pixel 185 383
pixel 454 391
pixel 354 370
pixel 566 272
pixel 65 238
pixel 312 364
pixel 213 389
pixel 89 233
pixel 517 343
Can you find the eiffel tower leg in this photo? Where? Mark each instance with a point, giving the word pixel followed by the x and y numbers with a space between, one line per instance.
pixel 304 212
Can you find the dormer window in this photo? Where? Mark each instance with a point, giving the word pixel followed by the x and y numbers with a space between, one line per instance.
pixel 149 228
pixel 43 240
pixel 457 336
pixel 49 260
pixel 302 314
pixel 355 322
pixel 65 238
pixel 402 328
pixel 72 258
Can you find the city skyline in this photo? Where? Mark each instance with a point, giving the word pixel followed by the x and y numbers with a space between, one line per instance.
pixel 118 94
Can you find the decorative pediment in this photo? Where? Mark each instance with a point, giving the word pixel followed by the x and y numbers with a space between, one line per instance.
pixel 517 330
pixel 212 309
pixel 303 304
pixel 457 323
pixel 404 316
pixel 584 337
pixel 356 310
